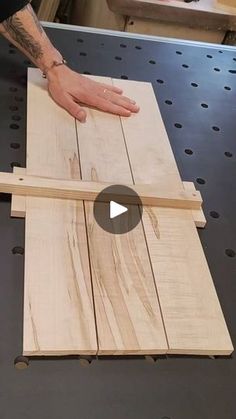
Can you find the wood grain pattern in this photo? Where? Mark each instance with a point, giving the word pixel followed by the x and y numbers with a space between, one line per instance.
pixel 48 9
pixel 198 215
pixel 88 191
pixel 58 306
pixel 146 300
pixel 126 304
pixel 18 203
pixel 193 318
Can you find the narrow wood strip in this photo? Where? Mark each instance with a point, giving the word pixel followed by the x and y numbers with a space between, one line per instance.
pixel 18 203
pixel 198 215
pixel 89 191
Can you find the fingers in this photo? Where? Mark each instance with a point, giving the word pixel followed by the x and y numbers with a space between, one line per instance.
pixel 108 106
pixel 122 101
pixel 73 108
pixel 111 88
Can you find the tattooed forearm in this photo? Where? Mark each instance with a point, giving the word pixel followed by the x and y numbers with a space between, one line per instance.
pixel 15 28
pixel 36 21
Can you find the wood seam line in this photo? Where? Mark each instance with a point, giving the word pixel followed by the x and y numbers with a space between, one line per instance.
pixel 148 251
pixel 89 191
pixel 88 248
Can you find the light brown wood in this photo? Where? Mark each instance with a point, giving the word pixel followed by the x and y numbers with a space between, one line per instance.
pixel 96 13
pixel 203 14
pixel 227 5
pixel 146 300
pixel 89 191
pixel 58 304
pixel 126 304
pixel 48 9
pixel 18 203
pixel 172 30
pixel 198 215
pixel 193 318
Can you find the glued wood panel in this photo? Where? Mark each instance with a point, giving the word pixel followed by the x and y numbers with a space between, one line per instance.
pixel 126 304
pixel 58 304
pixel 146 300
pixel 193 318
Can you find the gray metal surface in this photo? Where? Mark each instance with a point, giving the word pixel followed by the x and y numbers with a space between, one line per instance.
pixel 196 96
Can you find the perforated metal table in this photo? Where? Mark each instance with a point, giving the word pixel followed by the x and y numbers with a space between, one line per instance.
pixel 196 90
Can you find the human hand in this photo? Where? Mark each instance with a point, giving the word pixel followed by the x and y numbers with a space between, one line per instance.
pixel 70 89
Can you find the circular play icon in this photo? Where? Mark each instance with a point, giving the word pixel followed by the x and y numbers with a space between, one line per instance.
pixel 116 215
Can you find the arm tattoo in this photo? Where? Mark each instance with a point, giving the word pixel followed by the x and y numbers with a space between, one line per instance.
pixel 15 28
pixel 36 21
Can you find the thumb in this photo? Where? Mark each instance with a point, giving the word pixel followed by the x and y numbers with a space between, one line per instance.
pixel 74 109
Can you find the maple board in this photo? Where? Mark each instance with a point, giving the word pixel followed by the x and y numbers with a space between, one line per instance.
pixel 148 291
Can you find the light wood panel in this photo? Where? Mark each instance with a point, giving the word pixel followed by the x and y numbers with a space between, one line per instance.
pixel 58 306
pixel 90 191
pixel 193 318
pixel 127 310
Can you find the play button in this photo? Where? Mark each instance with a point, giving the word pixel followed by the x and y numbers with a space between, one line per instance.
pixel 116 209
pixel 116 216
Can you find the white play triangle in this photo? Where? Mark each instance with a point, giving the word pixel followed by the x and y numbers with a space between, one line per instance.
pixel 116 209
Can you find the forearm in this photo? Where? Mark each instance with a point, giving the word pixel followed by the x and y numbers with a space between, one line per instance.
pixel 68 88
pixel 25 31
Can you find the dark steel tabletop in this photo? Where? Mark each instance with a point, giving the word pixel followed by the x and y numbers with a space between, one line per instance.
pixel 196 91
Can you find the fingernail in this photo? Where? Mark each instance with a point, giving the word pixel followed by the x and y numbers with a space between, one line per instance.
pixel 133 102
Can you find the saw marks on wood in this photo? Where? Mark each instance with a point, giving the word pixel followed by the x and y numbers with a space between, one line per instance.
pixel 148 291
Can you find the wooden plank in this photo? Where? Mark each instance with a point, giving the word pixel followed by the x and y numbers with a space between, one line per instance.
pixel 173 30
pixel 198 215
pixel 97 14
pixel 127 311
pixel 193 318
pixel 90 191
pixel 18 203
pixel 203 14
pixel 48 9
pixel 58 304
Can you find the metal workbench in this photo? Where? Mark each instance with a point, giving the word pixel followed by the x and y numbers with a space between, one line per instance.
pixel 195 86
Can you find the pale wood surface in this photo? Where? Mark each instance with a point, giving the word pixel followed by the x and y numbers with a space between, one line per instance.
pixel 198 215
pixel 96 13
pixel 18 203
pixel 135 289
pixel 48 9
pixel 173 30
pixel 126 304
pixel 58 306
pixel 193 318
pixel 88 191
